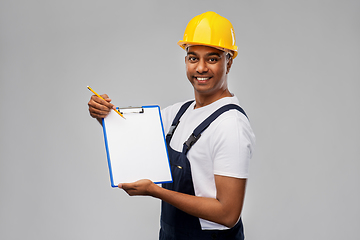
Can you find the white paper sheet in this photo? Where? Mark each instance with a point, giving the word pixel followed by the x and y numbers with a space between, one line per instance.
pixel 136 147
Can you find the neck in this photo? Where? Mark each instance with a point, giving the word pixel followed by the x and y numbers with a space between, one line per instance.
pixel 203 100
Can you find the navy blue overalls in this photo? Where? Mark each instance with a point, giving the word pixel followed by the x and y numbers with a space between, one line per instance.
pixel 176 224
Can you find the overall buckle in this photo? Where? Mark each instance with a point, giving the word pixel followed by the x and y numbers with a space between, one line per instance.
pixel 192 140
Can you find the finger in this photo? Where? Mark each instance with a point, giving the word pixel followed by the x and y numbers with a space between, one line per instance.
pixel 131 191
pixel 101 102
pixel 98 106
pixel 98 109
pixel 95 100
pixel 106 97
pixel 96 113
pixel 126 186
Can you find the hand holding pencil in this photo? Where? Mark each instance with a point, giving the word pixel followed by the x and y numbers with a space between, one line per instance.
pixel 100 106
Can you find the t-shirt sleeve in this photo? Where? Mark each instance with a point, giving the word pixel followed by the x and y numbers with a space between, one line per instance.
pixel 233 142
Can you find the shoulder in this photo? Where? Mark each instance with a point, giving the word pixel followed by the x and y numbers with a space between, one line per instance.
pixel 232 130
pixel 232 117
pixel 233 127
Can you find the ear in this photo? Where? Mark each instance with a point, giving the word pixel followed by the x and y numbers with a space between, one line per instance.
pixel 228 65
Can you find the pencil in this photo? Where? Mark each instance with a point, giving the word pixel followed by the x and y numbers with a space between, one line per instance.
pixel 104 99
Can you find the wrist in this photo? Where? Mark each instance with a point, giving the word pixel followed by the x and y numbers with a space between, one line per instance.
pixel 153 190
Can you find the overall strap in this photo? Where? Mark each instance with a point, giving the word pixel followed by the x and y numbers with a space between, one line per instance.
pixel 199 129
pixel 176 120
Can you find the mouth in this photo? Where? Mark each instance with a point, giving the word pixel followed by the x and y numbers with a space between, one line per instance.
pixel 202 79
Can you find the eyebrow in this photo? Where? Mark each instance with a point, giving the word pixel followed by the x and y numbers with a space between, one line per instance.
pixel 208 55
pixel 191 53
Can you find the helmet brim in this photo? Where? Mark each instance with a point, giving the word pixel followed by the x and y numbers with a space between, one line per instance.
pixel 184 44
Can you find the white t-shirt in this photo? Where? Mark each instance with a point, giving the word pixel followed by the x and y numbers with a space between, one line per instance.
pixel 224 148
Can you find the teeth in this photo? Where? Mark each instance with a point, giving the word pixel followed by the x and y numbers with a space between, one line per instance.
pixel 202 79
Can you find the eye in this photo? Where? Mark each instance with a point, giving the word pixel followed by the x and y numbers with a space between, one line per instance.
pixel 213 60
pixel 192 59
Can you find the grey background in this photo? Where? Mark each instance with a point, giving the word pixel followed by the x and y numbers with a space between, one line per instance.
pixel 297 76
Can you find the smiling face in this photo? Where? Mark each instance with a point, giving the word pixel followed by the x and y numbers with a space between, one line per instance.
pixel 207 69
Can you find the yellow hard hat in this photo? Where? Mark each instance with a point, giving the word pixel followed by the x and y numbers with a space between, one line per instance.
pixel 210 29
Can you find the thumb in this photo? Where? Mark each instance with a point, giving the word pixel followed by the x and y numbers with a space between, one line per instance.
pixel 124 186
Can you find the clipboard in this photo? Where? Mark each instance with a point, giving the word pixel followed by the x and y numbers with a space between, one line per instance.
pixel 136 146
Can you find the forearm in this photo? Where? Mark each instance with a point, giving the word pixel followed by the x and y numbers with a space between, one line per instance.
pixel 207 208
pixel 225 209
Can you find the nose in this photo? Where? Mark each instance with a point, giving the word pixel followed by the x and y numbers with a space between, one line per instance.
pixel 201 67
